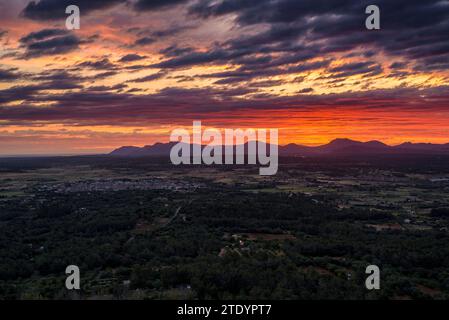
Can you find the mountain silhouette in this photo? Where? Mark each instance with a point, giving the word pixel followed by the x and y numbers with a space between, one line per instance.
pixel 335 147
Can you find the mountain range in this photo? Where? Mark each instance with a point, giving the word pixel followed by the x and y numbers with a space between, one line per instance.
pixel 335 147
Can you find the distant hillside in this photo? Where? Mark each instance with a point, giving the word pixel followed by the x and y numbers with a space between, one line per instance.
pixel 158 149
pixel 335 147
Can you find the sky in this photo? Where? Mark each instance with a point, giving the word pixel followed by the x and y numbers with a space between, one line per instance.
pixel 137 69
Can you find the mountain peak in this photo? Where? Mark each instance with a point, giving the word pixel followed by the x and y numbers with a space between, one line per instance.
pixel 336 146
pixel 343 141
pixel 376 143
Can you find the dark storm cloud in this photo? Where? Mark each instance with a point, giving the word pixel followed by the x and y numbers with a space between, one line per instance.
pixel 433 63
pixel 98 105
pixel 209 8
pixel 175 51
pixel 412 13
pixel 151 77
pixel 415 29
pixel 119 87
pixel 260 11
pixel 170 31
pixel 53 46
pixel 58 80
pixel 245 74
pixel 266 83
pixel 43 34
pixel 17 93
pixel 62 79
pixel 135 68
pixel 49 42
pixel 57 75
pixel 102 64
pixel 31 93
pixel 308 66
pixel 147 36
pixel 55 9
pixel 197 58
pixel 103 75
pixel 398 65
pixel 357 68
pixel 306 90
pixel 8 75
pixel 157 4
pixel 99 99
pixel 131 58
pixel 144 41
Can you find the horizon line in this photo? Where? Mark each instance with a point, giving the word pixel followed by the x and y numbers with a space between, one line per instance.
pixel 298 144
pixel 98 153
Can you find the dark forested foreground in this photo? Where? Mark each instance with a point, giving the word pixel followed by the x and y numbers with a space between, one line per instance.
pixel 142 229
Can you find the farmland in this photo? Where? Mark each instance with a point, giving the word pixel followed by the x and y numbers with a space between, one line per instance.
pixel 144 229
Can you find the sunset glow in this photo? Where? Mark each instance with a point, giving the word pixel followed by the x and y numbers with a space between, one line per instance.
pixel 135 71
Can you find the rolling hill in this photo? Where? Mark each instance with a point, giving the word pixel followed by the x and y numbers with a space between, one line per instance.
pixel 335 147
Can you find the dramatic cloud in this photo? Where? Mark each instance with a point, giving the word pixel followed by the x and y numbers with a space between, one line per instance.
pixel 149 78
pixel 357 68
pixel 49 42
pixel 416 29
pixel 144 41
pixel 43 34
pixel 103 64
pixel 55 9
pixel 157 4
pixel 217 105
pixel 9 75
pixel 292 64
pixel 131 58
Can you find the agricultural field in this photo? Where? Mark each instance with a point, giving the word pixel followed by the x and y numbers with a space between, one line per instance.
pixel 147 230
